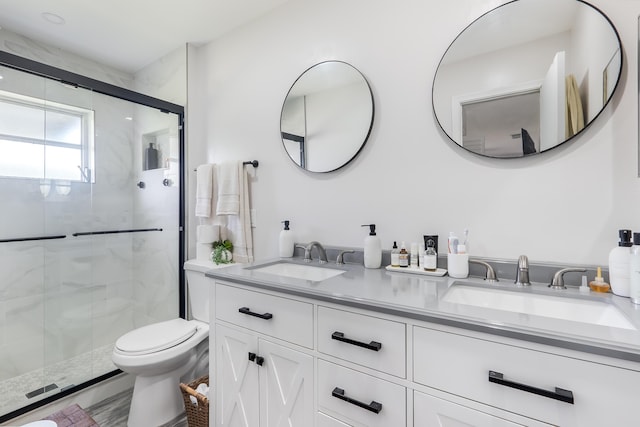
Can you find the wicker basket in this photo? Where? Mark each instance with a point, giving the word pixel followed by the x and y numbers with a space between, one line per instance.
pixel 197 415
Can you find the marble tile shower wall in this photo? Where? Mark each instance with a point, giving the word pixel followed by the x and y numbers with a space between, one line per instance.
pixel 51 55
pixel 62 298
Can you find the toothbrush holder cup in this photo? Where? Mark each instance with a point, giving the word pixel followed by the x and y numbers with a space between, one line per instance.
pixel 458 265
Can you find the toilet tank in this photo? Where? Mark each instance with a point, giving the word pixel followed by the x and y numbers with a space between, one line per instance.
pixel 198 286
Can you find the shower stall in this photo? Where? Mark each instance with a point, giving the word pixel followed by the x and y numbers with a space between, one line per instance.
pixel 91 226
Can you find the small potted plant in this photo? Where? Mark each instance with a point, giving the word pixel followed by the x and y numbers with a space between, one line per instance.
pixel 222 252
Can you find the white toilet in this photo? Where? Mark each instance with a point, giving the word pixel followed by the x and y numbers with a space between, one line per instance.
pixel 160 353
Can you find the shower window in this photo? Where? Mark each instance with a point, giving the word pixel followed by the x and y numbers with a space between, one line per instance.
pixel 45 140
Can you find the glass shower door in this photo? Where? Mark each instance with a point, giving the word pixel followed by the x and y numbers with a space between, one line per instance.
pixel 90 232
pixel 70 292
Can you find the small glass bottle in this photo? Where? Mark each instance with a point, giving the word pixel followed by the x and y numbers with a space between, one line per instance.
pixel 403 256
pixel 598 284
pixel 395 255
pixel 430 260
pixel 414 255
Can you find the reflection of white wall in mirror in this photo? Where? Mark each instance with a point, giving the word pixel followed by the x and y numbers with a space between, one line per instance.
pixel 516 65
pixel 293 116
pixel 591 30
pixel 335 119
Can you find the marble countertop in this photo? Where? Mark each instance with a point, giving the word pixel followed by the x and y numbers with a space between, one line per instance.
pixel 425 298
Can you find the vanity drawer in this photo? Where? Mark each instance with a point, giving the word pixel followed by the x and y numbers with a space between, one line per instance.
pixel 432 411
pixel 526 381
pixel 368 341
pixel 278 317
pixel 354 397
pixel 324 420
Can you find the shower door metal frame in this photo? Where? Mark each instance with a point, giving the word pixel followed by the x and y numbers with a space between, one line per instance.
pixel 63 76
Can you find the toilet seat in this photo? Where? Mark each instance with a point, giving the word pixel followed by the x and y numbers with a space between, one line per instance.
pixel 156 337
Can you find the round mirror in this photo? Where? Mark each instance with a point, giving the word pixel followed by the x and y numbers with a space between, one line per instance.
pixel 526 77
pixel 327 116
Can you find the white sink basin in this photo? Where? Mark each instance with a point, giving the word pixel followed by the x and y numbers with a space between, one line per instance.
pixel 577 310
pixel 299 271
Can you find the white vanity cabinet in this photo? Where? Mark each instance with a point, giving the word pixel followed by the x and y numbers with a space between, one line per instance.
pixel 283 359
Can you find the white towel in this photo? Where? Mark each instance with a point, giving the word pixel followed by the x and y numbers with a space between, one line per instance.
pixel 239 226
pixel 228 189
pixel 204 190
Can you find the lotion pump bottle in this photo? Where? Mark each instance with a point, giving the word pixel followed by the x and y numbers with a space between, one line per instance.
pixel 372 248
pixel 619 264
pixel 286 241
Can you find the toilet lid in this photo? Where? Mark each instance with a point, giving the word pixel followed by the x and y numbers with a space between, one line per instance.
pixel 156 337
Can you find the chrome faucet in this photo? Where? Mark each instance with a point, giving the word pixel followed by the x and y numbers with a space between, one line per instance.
pixel 322 254
pixel 340 258
pixel 558 278
pixel 522 273
pixel 491 273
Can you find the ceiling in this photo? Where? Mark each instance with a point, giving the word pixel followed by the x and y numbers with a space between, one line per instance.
pixel 128 34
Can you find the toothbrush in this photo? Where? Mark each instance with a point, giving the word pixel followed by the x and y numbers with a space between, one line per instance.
pixel 453 245
pixel 466 236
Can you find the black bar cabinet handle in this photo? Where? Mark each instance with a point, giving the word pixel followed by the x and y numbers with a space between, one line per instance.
pixel 259 360
pixel 252 357
pixel 558 394
pixel 373 345
pixel 374 406
pixel 247 311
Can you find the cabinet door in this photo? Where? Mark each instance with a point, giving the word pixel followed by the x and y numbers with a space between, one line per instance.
pixel 432 411
pixel 237 394
pixel 286 387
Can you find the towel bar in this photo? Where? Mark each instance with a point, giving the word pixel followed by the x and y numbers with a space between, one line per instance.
pixel 253 163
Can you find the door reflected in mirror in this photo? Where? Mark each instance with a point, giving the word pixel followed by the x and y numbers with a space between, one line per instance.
pixel 521 79
pixel 327 116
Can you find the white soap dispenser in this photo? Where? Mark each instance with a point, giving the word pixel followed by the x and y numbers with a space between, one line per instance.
pixel 372 248
pixel 619 259
pixel 286 241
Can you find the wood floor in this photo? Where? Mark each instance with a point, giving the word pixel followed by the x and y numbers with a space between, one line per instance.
pixel 113 412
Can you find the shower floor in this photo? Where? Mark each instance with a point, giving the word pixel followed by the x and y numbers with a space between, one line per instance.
pixel 64 374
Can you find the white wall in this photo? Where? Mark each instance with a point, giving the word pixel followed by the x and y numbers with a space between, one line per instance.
pixel 564 206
